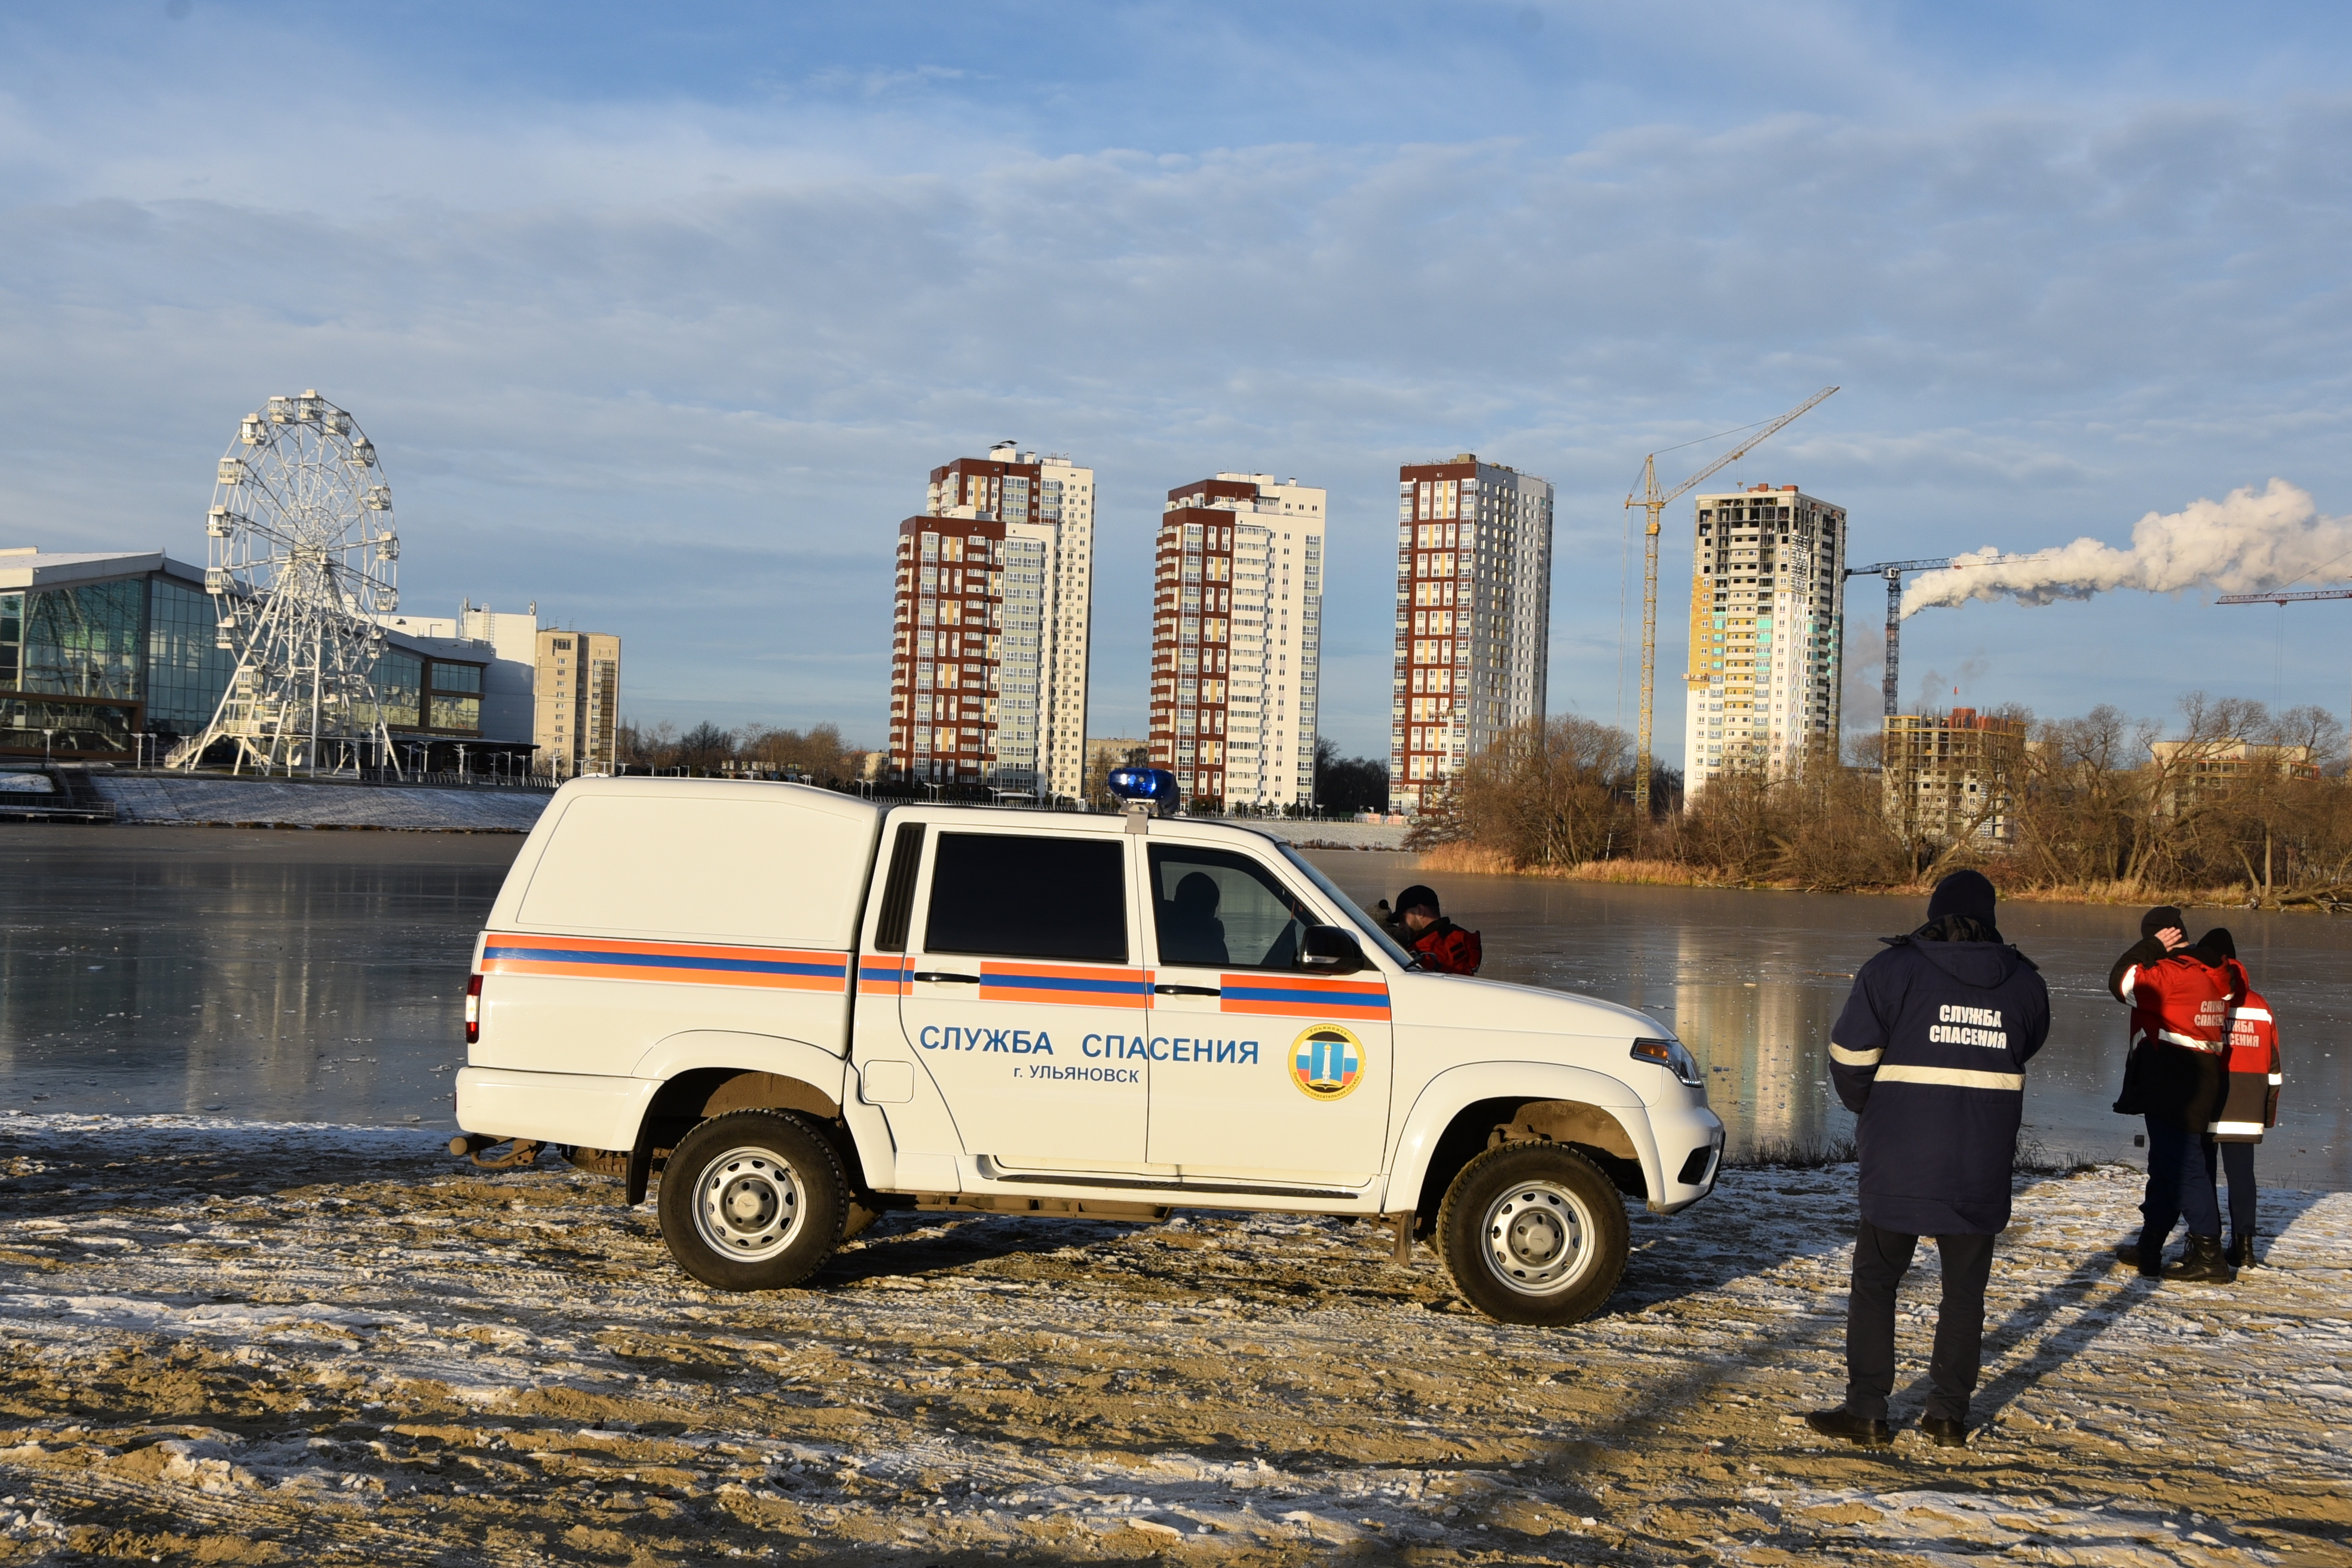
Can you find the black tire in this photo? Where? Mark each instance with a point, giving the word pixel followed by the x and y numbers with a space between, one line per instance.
pixel 1533 1233
pixel 753 1200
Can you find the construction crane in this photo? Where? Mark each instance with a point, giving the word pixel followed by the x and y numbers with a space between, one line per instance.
pixel 2301 593
pixel 2282 599
pixel 1893 572
pixel 1655 502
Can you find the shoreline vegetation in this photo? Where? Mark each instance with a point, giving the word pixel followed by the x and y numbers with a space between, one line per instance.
pixel 1477 860
pixel 2230 807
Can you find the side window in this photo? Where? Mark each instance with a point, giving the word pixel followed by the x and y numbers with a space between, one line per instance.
pixel 1013 896
pixel 1214 908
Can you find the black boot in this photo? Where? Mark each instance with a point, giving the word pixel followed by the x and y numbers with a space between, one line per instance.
pixel 1844 1423
pixel 2240 1254
pixel 2202 1264
pixel 1946 1432
pixel 2141 1258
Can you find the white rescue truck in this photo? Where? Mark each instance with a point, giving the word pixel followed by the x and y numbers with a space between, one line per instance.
pixel 803 1008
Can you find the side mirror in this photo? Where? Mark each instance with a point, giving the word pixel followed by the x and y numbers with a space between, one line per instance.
pixel 1330 949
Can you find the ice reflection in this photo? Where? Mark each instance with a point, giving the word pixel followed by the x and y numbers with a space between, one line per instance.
pixel 1766 1050
pixel 283 974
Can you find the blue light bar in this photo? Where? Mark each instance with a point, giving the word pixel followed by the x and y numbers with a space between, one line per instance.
pixel 1155 787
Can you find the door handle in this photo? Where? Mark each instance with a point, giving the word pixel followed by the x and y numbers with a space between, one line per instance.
pixel 1186 991
pixel 941 977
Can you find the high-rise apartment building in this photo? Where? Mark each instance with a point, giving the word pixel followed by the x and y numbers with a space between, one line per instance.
pixel 1473 616
pixel 1768 634
pixel 1236 639
pixel 988 667
pixel 577 682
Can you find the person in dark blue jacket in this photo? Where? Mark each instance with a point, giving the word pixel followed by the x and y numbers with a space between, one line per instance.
pixel 1930 1055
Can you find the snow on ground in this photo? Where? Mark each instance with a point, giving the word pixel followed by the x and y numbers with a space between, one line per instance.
pixel 230 1341
pixel 289 803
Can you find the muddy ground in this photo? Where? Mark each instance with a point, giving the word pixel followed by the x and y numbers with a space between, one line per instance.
pixel 243 1343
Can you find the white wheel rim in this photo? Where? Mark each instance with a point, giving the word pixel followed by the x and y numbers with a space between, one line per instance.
pixel 747 1204
pixel 1539 1238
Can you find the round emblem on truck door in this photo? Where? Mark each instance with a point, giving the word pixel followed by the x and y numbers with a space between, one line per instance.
pixel 1327 1062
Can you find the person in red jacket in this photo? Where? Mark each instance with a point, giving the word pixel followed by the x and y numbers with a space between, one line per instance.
pixel 2180 998
pixel 1438 942
pixel 2250 1095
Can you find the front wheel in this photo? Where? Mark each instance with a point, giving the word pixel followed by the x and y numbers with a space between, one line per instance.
pixel 1533 1233
pixel 753 1200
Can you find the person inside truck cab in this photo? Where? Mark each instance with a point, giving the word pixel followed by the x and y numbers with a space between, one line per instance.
pixel 1437 941
pixel 1192 933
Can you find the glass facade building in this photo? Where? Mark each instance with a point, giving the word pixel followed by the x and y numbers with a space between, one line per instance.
pixel 116 657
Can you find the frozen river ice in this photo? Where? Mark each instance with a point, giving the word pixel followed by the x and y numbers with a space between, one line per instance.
pixel 317 976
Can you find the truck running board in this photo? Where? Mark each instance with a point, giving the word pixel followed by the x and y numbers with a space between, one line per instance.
pixel 1006 1203
pixel 1138 1184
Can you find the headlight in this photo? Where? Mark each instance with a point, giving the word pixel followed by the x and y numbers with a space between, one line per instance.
pixel 1672 1056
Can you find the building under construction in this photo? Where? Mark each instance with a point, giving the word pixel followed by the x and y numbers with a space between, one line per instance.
pixel 2197 772
pixel 1953 777
pixel 1767 624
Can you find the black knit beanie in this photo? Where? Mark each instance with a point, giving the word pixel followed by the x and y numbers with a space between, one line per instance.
pixel 1963 893
pixel 2163 917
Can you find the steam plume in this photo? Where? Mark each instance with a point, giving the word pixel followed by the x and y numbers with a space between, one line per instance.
pixel 2242 544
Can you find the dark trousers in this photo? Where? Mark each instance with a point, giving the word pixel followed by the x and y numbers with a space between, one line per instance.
pixel 1880 1259
pixel 2180 1182
pixel 2237 1164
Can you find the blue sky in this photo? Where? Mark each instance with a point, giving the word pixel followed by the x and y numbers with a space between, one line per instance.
pixel 661 323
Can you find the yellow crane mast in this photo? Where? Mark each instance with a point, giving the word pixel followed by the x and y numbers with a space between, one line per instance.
pixel 1656 502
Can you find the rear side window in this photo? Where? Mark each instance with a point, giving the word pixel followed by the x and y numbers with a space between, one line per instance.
pixel 1015 896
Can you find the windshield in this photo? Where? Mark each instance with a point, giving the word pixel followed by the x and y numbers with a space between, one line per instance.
pixel 1364 922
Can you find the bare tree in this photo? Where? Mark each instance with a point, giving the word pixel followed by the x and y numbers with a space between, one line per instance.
pixel 820 755
pixel 1553 793
pixel 704 748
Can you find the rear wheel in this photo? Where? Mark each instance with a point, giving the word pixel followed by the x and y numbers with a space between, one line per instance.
pixel 753 1200
pixel 1533 1233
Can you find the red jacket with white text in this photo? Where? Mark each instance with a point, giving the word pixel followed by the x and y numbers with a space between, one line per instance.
pixel 2250 1091
pixel 2180 1003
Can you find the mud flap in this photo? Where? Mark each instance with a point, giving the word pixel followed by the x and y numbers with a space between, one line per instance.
pixel 1402 1223
pixel 641 1169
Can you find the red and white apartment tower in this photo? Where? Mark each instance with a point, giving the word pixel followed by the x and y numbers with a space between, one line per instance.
pixel 989 627
pixel 1472 617
pixel 1237 640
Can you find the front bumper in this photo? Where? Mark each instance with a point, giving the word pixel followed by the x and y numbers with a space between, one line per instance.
pixel 1690 1153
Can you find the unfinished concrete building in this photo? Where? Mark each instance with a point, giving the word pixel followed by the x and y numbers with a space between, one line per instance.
pixel 1953 777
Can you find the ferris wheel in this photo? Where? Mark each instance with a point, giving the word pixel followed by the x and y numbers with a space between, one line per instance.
pixel 302 561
